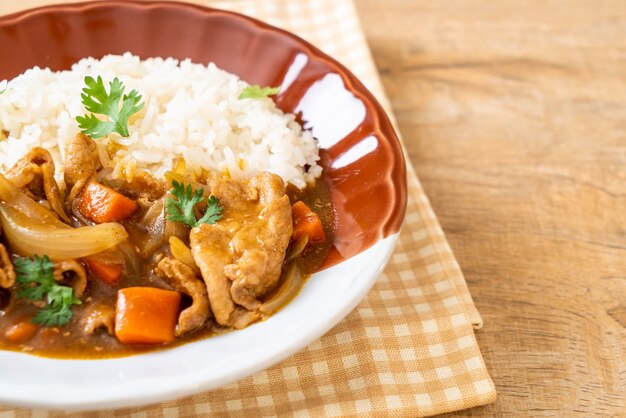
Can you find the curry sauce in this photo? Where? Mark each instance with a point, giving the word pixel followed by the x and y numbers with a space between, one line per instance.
pixel 90 333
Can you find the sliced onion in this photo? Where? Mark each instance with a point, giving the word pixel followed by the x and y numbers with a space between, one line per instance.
pixel 153 213
pixel 183 254
pixel 132 260
pixel 14 197
pixel 297 248
pixel 180 166
pixel 172 177
pixel 28 236
pixel 292 283
pixel 154 221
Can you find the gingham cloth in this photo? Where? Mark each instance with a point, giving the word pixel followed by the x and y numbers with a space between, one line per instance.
pixel 409 348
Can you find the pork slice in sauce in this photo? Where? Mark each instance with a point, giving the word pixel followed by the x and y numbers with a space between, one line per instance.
pixel 182 278
pixel 209 246
pixel 27 170
pixel 74 271
pixel 81 163
pixel 250 243
pixel 7 272
pixel 34 173
pixel 146 186
pixel 98 316
pixel 259 246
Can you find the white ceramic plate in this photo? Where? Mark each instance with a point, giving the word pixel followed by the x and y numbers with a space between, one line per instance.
pixel 326 298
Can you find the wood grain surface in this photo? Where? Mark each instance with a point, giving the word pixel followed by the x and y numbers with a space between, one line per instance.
pixel 514 115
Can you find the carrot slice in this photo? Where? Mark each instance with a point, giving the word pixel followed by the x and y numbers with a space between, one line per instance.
pixel 306 222
pixel 107 273
pixel 103 204
pixel 21 332
pixel 146 315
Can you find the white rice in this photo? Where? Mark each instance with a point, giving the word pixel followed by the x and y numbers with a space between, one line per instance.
pixel 191 111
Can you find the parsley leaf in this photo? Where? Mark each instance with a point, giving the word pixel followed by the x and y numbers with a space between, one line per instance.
pixel 181 207
pixel 58 310
pixel 37 271
pixel 53 315
pixel 36 278
pixel 213 212
pixel 257 92
pixel 96 100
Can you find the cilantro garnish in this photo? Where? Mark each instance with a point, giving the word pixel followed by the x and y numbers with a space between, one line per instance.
pixel 257 92
pixel 181 207
pixel 37 280
pixel 97 100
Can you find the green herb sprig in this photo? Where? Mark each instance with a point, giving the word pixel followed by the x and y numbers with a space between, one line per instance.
pixel 258 92
pixel 36 278
pixel 96 100
pixel 180 208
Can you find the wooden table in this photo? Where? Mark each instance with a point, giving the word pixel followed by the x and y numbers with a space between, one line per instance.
pixel 514 115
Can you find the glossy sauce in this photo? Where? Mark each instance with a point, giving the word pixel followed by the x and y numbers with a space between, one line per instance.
pixel 70 342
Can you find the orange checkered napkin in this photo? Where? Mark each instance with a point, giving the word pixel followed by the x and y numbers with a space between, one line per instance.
pixel 408 349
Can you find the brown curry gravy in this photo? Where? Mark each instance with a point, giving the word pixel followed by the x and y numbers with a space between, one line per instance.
pixel 69 341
